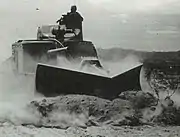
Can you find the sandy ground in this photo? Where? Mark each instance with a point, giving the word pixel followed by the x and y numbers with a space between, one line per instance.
pixel 54 121
pixel 60 117
pixel 9 130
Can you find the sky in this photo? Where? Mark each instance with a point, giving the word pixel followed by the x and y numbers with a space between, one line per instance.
pixel 139 5
pixel 151 25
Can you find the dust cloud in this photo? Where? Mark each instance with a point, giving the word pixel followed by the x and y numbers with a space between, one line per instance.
pixel 16 93
pixel 110 69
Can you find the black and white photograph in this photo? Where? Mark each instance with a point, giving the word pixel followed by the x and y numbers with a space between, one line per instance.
pixel 89 68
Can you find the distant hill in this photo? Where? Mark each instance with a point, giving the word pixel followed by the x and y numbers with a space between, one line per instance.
pixel 115 54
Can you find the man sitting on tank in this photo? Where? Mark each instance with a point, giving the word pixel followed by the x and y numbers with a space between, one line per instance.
pixel 73 20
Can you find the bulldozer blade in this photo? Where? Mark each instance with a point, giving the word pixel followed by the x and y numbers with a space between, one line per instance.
pixel 53 81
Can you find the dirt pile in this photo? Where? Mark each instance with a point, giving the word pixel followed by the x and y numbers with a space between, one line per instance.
pixel 131 108
pixel 81 110
pixel 170 115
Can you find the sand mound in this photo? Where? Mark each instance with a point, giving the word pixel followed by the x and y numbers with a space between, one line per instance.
pixel 83 111
pixel 131 108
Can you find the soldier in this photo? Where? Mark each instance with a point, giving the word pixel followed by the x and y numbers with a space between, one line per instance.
pixel 73 21
pixel 74 18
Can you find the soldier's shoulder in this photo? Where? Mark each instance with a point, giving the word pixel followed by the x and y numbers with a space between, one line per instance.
pixel 79 14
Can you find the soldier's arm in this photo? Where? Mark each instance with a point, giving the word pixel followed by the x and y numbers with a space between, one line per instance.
pixel 81 18
pixel 58 21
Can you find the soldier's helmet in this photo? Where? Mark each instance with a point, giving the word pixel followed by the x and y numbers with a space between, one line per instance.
pixel 73 8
